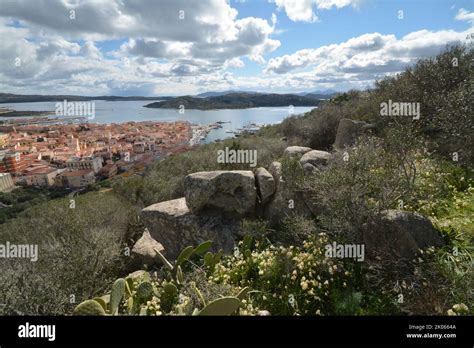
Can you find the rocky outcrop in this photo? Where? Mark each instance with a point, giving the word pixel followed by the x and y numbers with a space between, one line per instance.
pixel 175 226
pixel 348 131
pixel 228 191
pixel 143 252
pixel 296 151
pixel 215 203
pixel 400 234
pixel 265 185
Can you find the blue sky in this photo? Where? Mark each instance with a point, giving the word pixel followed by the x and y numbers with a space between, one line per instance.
pixel 145 47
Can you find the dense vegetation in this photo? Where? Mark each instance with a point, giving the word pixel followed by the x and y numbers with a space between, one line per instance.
pixel 17 200
pixel 407 163
pixel 236 101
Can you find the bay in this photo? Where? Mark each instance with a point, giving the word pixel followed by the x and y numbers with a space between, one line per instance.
pixel 124 111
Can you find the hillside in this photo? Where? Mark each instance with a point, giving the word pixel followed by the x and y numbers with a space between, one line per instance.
pixel 340 175
pixel 236 101
pixel 18 98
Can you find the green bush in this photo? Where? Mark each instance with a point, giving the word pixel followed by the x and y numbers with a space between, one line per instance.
pixel 359 184
pixel 80 251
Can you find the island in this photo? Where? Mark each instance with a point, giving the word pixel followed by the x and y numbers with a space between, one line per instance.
pixel 236 101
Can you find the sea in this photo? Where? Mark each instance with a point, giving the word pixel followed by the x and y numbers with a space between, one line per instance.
pixel 124 111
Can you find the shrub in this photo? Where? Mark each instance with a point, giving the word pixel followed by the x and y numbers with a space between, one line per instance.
pixel 80 251
pixel 357 186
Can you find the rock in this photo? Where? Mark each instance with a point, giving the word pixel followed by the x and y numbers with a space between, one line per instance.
pixel 175 227
pixel 136 274
pixel 286 200
pixel 309 169
pixel 316 158
pixel 265 184
pixel 348 131
pixel 143 252
pixel 296 151
pixel 399 234
pixel 275 170
pixel 228 191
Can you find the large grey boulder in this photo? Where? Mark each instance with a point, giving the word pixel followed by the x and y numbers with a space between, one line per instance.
pixel 316 158
pixel 348 131
pixel 265 184
pixel 296 151
pixel 228 191
pixel 143 252
pixel 175 227
pixel 400 234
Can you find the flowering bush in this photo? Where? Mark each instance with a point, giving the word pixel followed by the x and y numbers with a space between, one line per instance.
pixel 293 280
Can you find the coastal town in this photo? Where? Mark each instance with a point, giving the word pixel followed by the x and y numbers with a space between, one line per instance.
pixel 77 155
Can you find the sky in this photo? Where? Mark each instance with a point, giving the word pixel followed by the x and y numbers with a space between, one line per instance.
pixel 181 47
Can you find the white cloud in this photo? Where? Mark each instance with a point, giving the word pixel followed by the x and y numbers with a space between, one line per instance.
pixel 159 53
pixel 367 53
pixel 207 30
pixel 464 15
pixel 302 10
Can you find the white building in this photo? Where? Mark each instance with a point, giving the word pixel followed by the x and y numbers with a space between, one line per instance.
pixel 6 182
pixel 42 176
pixel 85 163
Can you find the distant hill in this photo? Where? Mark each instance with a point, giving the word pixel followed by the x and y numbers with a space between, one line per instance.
pixel 241 100
pixel 323 94
pixel 216 94
pixel 18 98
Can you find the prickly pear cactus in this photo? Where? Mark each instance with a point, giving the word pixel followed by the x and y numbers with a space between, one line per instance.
pixel 118 290
pixel 145 291
pixel 170 289
pixel 89 307
pixel 221 306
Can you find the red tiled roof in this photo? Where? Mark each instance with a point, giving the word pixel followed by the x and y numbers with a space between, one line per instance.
pixel 41 170
pixel 78 172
